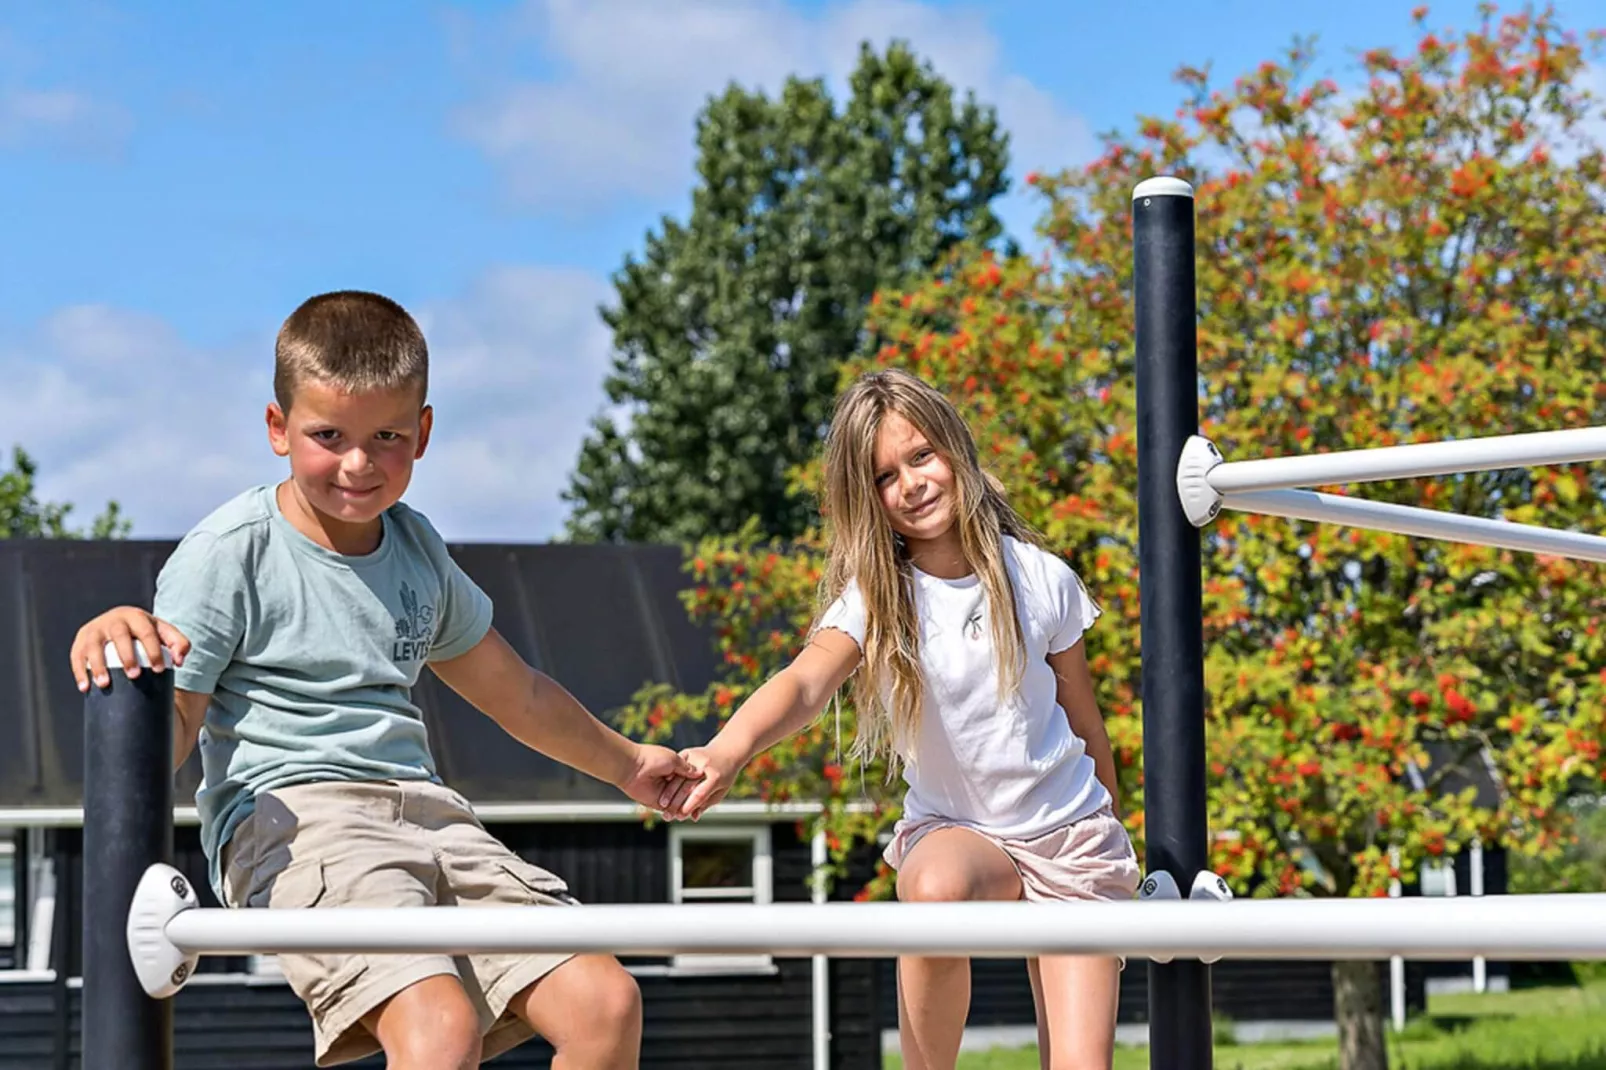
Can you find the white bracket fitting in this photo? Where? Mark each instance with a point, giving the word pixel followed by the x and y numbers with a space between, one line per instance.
pixel 1209 885
pixel 1206 885
pixel 162 895
pixel 1200 501
pixel 1161 885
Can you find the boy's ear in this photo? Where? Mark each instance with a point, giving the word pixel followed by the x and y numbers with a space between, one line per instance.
pixel 426 421
pixel 278 431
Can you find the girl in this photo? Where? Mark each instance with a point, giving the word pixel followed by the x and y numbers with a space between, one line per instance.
pixel 973 679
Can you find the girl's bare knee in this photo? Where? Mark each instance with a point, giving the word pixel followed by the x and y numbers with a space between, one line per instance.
pixel 936 884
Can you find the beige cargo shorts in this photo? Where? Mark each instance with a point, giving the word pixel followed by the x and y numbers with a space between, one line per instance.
pixel 386 844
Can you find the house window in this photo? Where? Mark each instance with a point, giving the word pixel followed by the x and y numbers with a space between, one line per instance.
pixel 714 864
pixel 1438 878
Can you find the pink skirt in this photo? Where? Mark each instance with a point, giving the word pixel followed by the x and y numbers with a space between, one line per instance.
pixel 1088 859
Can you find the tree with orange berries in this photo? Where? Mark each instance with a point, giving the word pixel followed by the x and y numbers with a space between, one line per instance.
pixel 1421 258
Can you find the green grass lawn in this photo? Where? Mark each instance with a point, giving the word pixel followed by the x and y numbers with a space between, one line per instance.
pixel 1533 1029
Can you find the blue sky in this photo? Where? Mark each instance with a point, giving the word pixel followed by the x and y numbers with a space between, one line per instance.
pixel 177 176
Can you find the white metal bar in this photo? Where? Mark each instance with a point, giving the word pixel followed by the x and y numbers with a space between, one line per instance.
pixel 1521 927
pixel 1396 962
pixel 42 883
pixel 820 966
pixel 1423 523
pixel 523 812
pixel 1412 461
pixel 1480 965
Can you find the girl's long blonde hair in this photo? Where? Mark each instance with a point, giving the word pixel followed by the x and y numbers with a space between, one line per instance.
pixel 863 547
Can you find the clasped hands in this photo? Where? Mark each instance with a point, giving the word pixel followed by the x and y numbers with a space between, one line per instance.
pixel 682 786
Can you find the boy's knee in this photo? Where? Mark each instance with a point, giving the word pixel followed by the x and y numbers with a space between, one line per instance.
pixel 431 1034
pixel 607 1032
pixel 449 1042
pixel 612 1013
pixel 618 1003
pixel 589 1010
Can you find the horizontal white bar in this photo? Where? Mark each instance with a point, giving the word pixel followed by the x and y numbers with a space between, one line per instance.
pixel 516 812
pixel 1423 523
pixel 1412 461
pixel 1518 927
pixel 25 977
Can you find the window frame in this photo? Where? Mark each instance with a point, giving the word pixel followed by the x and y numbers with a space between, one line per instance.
pixel 761 887
pixel 10 871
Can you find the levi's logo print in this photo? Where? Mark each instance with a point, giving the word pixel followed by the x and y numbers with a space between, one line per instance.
pixel 415 628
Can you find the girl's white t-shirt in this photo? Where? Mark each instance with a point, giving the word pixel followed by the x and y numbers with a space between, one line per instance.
pixel 1016 769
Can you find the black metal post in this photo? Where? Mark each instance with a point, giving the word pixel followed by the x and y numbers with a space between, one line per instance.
pixel 1170 594
pixel 128 826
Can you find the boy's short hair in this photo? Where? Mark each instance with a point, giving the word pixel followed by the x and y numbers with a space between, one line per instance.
pixel 350 339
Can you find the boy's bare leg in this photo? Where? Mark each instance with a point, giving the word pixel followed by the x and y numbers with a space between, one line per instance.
pixel 589 1010
pixel 429 1025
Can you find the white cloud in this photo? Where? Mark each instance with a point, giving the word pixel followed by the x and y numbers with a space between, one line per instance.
pixel 516 374
pixel 62 119
pixel 615 115
pixel 115 404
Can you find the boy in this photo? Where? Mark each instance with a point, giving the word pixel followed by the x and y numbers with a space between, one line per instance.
pixel 299 616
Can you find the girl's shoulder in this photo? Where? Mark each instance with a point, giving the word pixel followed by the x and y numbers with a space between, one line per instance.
pixel 845 612
pixel 1043 576
pixel 1038 563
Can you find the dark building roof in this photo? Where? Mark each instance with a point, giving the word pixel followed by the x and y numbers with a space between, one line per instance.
pixel 602 620
pixel 1455 767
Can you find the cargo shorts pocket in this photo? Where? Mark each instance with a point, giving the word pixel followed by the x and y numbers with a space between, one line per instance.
pixel 319 980
pixel 296 886
pixel 538 886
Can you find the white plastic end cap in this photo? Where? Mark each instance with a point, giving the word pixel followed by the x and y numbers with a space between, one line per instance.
pixel 115 661
pixel 1161 885
pixel 1200 501
pixel 1162 186
pixel 162 895
pixel 1209 885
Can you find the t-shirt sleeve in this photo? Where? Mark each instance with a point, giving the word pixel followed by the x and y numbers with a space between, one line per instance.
pixel 846 614
pixel 465 610
pixel 466 613
pixel 202 591
pixel 1072 610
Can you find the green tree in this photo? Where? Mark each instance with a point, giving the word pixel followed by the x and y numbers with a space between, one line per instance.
pixel 24 516
pixel 1580 863
pixel 730 328
pixel 1420 260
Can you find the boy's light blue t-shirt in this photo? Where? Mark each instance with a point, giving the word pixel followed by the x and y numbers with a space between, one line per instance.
pixel 309 655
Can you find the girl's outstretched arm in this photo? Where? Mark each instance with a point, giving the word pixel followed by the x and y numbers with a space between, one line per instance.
pixel 1076 698
pixel 786 703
